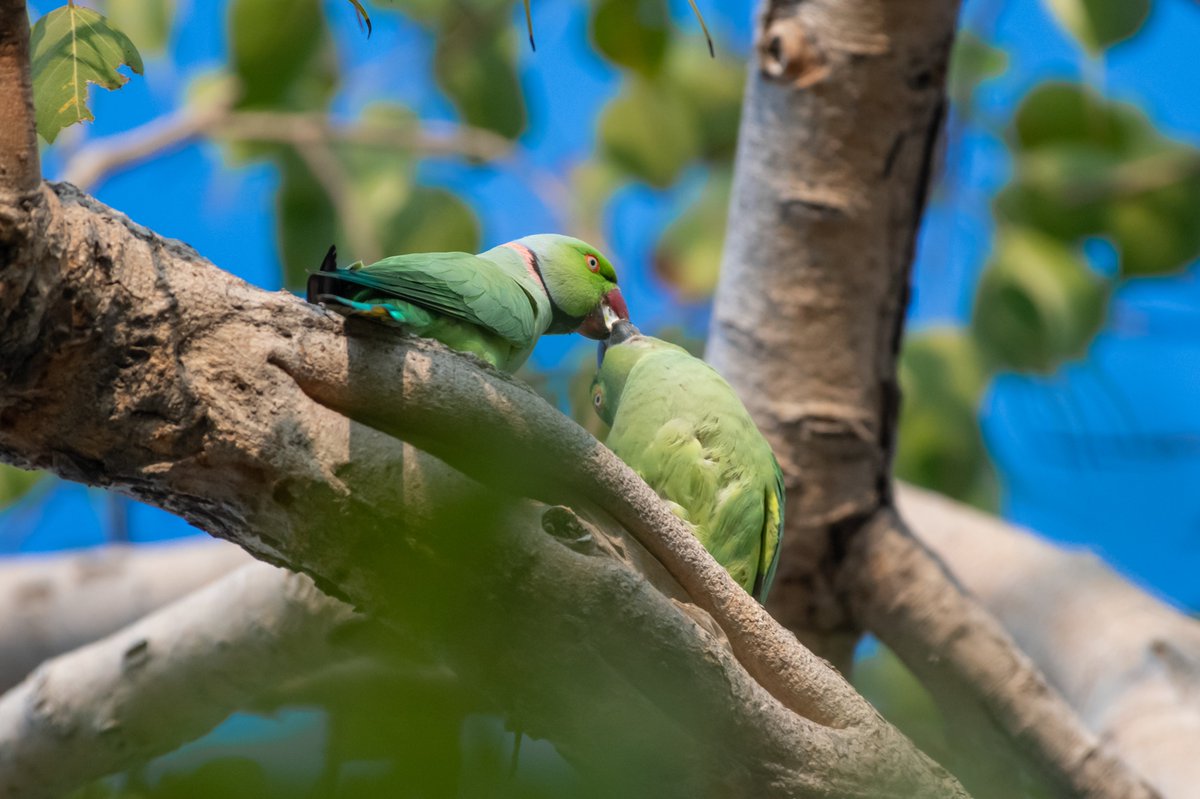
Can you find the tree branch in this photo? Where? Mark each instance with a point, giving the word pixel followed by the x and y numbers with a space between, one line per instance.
pixel 163 681
pixel 1128 663
pixel 838 128
pixel 196 407
pixel 20 168
pixel 56 603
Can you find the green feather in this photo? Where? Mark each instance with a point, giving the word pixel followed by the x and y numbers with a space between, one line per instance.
pixel 455 284
pixel 682 428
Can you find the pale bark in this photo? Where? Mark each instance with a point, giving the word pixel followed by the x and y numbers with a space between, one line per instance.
pixel 257 418
pixel 1127 662
pixel 53 603
pixel 165 680
pixel 842 111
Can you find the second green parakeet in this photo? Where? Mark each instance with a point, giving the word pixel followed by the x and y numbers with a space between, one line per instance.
pixel 682 428
pixel 495 305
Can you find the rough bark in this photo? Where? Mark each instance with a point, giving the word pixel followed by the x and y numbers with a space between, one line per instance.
pixel 20 167
pixel 1127 662
pixel 842 110
pixel 57 602
pixel 164 680
pixel 132 363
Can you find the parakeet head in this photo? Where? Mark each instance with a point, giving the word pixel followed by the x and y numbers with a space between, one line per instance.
pixel 617 356
pixel 580 281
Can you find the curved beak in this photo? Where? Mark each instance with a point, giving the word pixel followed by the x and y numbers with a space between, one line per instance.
pixel 622 331
pixel 600 321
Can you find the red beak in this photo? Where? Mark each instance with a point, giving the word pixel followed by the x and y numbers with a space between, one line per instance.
pixel 598 324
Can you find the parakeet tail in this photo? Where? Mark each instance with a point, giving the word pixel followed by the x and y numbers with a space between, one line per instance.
pixel 318 283
pixel 351 307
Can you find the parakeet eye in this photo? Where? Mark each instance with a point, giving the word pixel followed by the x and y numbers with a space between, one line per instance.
pixel 593 263
pixel 597 400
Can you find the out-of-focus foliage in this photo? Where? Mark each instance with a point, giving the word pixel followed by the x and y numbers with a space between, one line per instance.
pixel 146 22
pixel 282 54
pixel 1038 304
pixel 1087 166
pixel 1084 168
pixel 940 444
pixel 71 47
pixel 15 483
pixel 1097 24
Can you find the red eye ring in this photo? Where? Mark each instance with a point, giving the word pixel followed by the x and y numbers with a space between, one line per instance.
pixel 593 263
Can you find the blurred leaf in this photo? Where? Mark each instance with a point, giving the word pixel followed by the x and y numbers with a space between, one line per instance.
pixel 226 777
pixel 1157 231
pixel 592 185
pixel 688 256
pixel 15 483
pixel 434 220
pixel 282 53
pixel 1037 304
pixel 1056 113
pixel 1086 166
pixel 940 445
pixel 146 22
pixel 632 33
pixel 71 47
pixel 305 219
pixel 475 64
pixel 712 87
pixel 972 61
pixel 1098 24
pixel 649 131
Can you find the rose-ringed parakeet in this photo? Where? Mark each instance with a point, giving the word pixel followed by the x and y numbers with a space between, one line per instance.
pixel 494 305
pixel 682 428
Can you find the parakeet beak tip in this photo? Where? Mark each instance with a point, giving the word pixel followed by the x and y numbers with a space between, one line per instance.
pixel 600 322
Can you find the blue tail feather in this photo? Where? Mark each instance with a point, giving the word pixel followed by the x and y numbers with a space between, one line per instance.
pixel 372 309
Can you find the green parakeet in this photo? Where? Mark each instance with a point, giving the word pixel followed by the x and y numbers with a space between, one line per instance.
pixel 682 428
pixel 495 305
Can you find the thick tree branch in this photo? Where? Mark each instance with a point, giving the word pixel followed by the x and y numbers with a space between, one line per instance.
pixel 59 602
pixel 838 128
pixel 1128 663
pixel 202 402
pixel 163 681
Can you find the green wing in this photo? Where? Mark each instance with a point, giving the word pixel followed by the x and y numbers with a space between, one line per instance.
pixel 454 284
pixel 772 534
pixel 684 431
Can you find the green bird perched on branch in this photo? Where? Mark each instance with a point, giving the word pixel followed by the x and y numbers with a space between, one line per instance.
pixel 682 428
pixel 494 305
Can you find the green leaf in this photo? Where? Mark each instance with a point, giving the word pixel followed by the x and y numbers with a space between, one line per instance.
pixel 1056 113
pixel 1086 166
pixel 475 64
pixel 688 255
pixel 71 47
pixel 972 61
pixel 147 22
pixel 649 131
pixel 15 483
pixel 632 33
pixel 1038 304
pixel 282 52
pixel 305 218
pixel 940 445
pixel 712 88
pixel 1099 24
pixel 433 220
